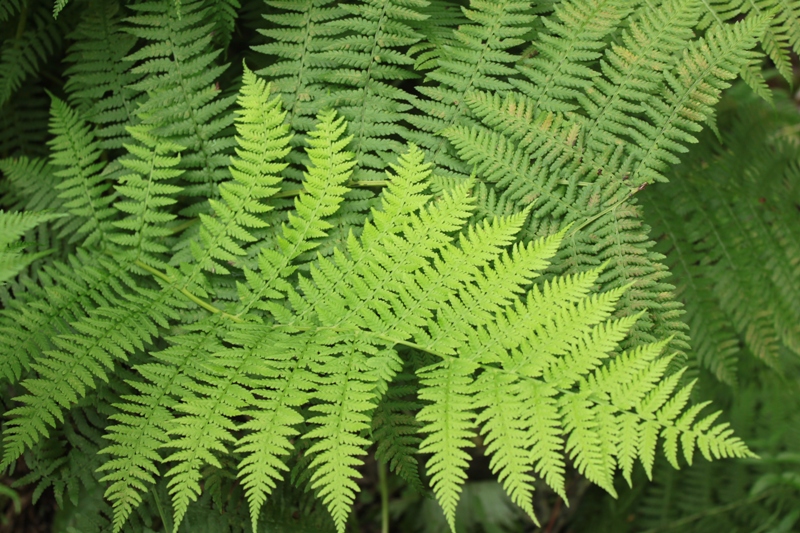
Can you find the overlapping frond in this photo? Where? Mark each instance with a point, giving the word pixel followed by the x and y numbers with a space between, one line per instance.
pixel 101 84
pixel 23 55
pixel 84 187
pixel 179 72
pixel 478 57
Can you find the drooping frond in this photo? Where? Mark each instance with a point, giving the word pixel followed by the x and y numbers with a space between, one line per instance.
pixel 31 184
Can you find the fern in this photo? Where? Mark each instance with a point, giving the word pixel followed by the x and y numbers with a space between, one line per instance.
pixel 418 237
pixel 12 227
pixel 104 96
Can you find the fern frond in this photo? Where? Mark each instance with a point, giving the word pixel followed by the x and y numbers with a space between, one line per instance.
pixel 152 164
pixel 179 74
pixel 324 187
pixel 100 83
pixel 31 184
pixel 634 71
pixel 84 186
pixel 70 291
pixel 23 55
pixel 479 57
pixel 450 417
pixel 691 88
pixel 555 77
pixel 12 227
pixel 264 142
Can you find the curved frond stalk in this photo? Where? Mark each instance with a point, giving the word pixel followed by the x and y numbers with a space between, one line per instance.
pixel 82 181
pixel 99 80
pixel 179 73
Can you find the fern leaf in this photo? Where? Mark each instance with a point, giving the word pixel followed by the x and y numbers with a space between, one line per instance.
pixel 23 55
pixel 573 34
pixel 100 81
pixel 479 57
pixel 179 74
pixel 329 170
pixel 634 71
pixel 12 227
pixel 450 424
pixel 151 165
pixel 692 87
pixel 84 186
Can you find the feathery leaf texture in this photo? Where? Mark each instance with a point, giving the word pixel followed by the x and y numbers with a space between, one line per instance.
pixel 418 232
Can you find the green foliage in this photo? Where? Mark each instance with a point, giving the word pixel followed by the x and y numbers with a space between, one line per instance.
pixel 417 239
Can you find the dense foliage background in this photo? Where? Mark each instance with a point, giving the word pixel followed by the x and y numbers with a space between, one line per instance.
pixel 613 128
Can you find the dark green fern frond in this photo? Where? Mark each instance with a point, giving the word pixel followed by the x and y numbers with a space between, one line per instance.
pixel 147 190
pixel 99 80
pixel 31 184
pixel 69 292
pixel 12 227
pixel 437 30
pixel 11 8
pixel 395 429
pixel 558 73
pixel 634 71
pixel 297 40
pixel 478 58
pixel 83 185
pixel 24 124
pixel 691 88
pixel 780 36
pixel 23 55
pixel 179 73
pixel 363 65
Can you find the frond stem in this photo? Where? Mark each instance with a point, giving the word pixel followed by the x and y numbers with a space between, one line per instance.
pixel 199 301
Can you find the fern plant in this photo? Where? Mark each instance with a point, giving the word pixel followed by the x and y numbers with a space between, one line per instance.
pixel 406 238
